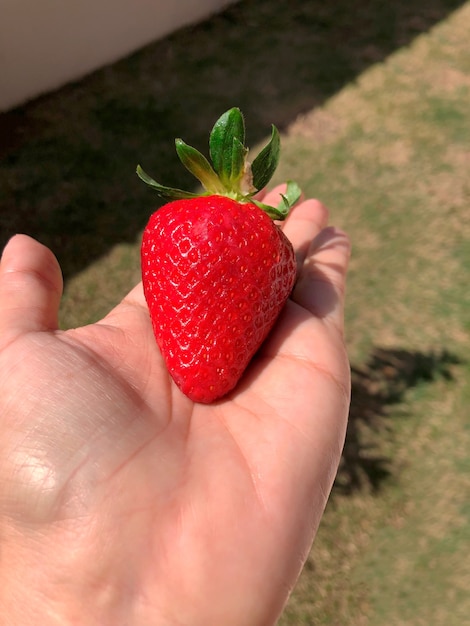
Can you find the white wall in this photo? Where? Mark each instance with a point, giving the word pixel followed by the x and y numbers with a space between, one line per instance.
pixel 46 43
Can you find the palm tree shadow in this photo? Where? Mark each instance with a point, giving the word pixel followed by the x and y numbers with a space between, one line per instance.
pixel 377 387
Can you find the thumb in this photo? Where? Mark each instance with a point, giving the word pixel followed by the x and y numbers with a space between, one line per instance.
pixel 30 288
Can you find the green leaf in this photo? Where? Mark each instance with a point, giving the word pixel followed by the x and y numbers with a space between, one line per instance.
pixel 239 153
pixel 288 199
pixel 291 196
pixel 229 126
pixel 166 193
pixel 199 167
pixel 265 164
pixel 273 212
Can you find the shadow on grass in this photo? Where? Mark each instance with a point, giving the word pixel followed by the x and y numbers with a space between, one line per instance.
pixel 376 387
pixel 68 159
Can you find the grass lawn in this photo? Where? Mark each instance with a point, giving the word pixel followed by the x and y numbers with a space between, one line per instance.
pixel 374 111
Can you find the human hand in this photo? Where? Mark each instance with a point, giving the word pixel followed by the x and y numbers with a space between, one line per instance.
pixel 121 501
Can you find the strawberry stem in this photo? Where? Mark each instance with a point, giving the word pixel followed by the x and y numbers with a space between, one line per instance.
pixel 230 173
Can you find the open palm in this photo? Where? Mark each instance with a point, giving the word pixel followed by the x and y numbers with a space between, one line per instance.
pixel 121 501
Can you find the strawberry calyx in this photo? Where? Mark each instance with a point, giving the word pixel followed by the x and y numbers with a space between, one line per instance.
pixel 230 173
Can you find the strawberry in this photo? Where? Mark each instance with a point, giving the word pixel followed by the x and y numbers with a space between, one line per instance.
pixel 216 268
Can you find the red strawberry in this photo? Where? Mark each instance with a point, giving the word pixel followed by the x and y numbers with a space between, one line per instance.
pixel 216 269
